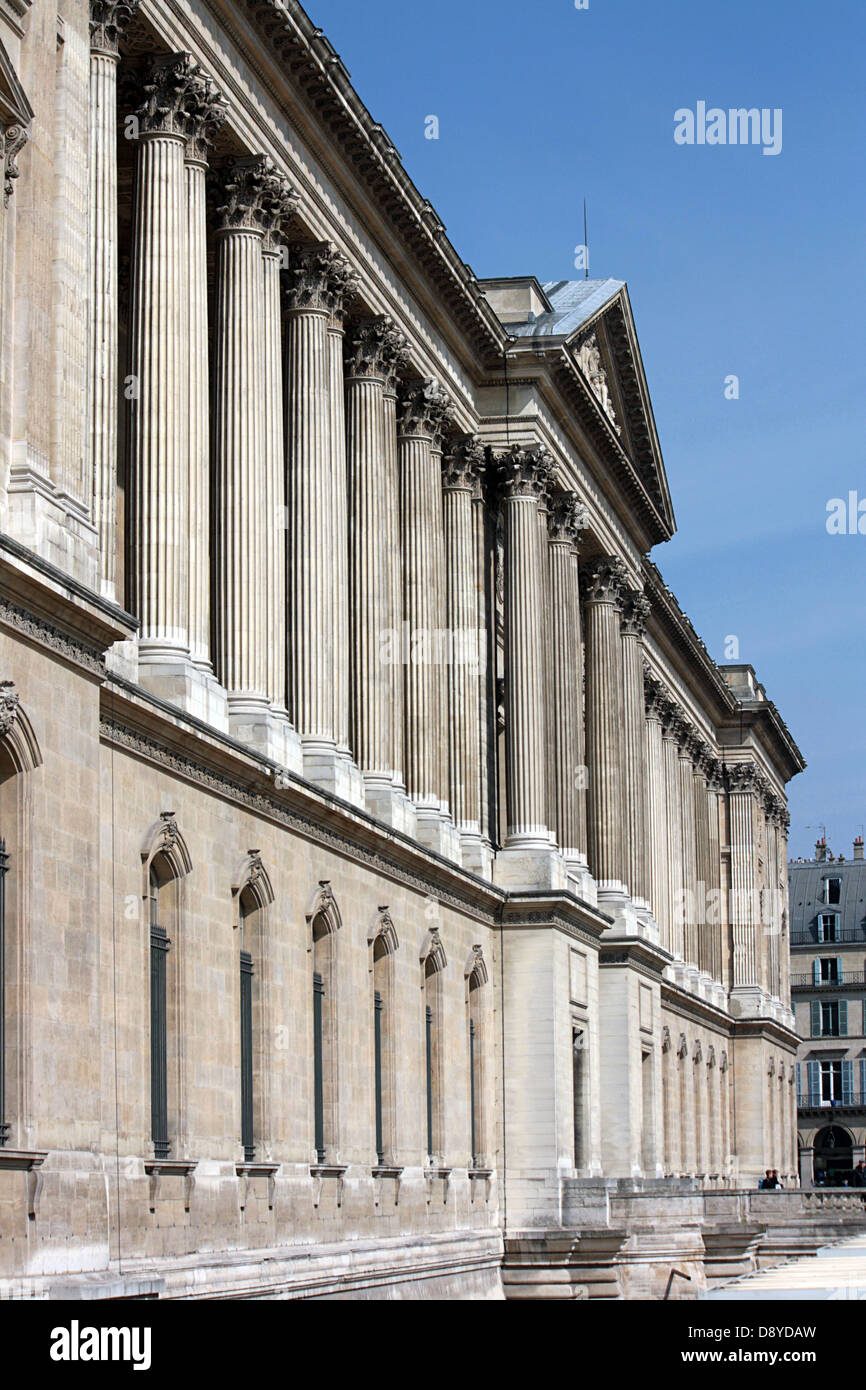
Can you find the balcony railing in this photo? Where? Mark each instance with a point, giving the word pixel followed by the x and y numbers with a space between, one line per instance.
pixel 856 1101
pixel 846 936
pixel 849 977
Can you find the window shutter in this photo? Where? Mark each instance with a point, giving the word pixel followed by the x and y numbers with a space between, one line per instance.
pixel 799 1084
pixel 814 1072
pixel 816 1019
pixel 820 928
pixel 862 1081
pixel 816 971
pixel 847 1083
pixel 864 1016
pixel 839 969
pixel 843 1018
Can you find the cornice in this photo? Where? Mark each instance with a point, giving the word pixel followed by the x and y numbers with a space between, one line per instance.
pixel 157 732
pixel 48 607
pixel 675 624
pixel 304 57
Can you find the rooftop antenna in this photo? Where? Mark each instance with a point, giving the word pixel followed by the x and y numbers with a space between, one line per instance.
pixel 822 828
pixel 585 240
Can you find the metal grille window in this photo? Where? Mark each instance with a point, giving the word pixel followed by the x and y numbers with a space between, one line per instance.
pixel 4 869
pixel 428 1017
pixel 247 1112
pixel 472 1093
pixel 159 948
pixel 318 1066
pixel 377 1046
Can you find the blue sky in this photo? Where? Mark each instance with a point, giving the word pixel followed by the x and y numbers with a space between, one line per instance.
pixel 736 262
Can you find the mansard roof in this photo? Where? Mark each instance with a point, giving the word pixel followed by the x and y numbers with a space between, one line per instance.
pixel 807 896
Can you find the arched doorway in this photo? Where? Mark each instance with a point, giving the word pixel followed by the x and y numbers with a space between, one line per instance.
pixel 834 1155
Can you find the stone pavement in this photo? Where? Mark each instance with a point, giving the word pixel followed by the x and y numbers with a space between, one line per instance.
pixel 836 1272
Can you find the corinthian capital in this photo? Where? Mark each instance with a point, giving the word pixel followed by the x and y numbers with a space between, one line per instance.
pixel 463 466
pixel 636 609
pixel 425 409
pixel 316 274
pixel 108 19
pixel 655 695
pixel 175 91
pixel 207 116
pixel 371 346
pixel 566 519
pixel 744 778
pixel 251 195
pixel 525 472
pixel 603 580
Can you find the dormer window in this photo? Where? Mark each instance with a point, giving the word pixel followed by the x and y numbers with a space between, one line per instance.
pixel 833 890
pixel 828 926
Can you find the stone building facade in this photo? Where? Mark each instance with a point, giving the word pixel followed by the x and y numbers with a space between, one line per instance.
pixel 388 865
pixel 828 989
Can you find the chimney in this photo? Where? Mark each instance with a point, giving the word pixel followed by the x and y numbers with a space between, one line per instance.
pixel 821 851
pixel 858 847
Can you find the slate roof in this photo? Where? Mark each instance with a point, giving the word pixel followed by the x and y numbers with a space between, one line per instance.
pixel 806 893
pixel 574 302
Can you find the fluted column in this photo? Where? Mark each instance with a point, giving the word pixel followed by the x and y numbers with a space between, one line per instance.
pixel 671 733
pixel 688 744
pixel 567 519
pixel 702 850
pixel 395 363
pixel 245 193
pixel 342 288
pixel 744 786
pixel 636 611
pixel 424 411
pixel 276 514
pixel 461 482
pixel 373 641
pixel 525 474
pixel 485 608
pixel 603 581
pixel 656 811
pixel 174 89
pixel 311 492
pixel 717 924
pixel 782 825
pixel 108 19
pixel 207 122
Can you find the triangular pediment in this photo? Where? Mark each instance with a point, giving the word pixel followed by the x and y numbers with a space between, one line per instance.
pixel 605 346
pixel 591 322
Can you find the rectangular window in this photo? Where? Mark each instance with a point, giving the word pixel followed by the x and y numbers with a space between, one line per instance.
pixel 834 890
pixel 830 1020
pixel 4 867
pixel 247 1119
pixel 830 971
pixel 159 946
pixel 831 1083
pixel 318 1066
pixel 377 1045
pixel 828 927
pixel 428 1023
pixel 472 1095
